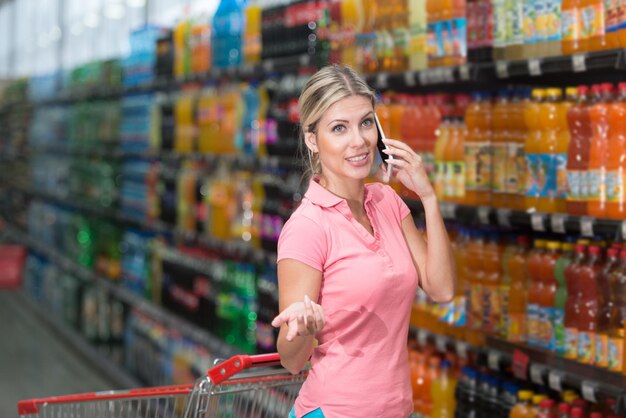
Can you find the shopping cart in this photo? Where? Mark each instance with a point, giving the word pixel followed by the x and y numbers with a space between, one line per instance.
pixel 225 392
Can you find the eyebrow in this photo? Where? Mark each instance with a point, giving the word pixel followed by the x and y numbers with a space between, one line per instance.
pixel 346 121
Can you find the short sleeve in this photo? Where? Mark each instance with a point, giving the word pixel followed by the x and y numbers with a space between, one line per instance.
pixel 400 208
pixel 304 240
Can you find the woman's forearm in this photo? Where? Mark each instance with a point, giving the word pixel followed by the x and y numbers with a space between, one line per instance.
pixel 440 278
pixel 294 354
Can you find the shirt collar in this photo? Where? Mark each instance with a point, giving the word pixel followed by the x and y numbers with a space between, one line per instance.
pixel 320 196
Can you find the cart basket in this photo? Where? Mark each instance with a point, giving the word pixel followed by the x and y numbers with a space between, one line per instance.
pixel 230 390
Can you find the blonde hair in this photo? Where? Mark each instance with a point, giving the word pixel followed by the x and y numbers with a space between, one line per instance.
pixel 325 88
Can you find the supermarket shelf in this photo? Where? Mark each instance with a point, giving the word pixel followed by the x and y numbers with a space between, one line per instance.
pixel 104 365
pixel 217 347
pixel 535 365
pixel 585 226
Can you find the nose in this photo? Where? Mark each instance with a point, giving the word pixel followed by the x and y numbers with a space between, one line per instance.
pixel 359 138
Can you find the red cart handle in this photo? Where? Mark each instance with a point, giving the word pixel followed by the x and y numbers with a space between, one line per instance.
pixel 239 363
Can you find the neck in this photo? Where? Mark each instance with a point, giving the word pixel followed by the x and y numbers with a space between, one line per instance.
pixel 351 190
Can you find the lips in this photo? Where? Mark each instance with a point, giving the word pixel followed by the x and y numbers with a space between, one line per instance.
pixel 358 158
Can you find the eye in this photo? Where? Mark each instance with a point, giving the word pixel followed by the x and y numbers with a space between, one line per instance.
pixel 339 128
pixel 368 122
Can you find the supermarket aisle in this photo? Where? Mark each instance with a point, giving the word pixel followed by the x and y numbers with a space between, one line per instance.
pixel 36 362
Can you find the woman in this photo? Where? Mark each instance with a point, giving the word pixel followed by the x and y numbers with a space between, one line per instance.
pixel 350 259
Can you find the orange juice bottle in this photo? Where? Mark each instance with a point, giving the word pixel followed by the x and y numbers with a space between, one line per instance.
pixel 457 158
pixel 594 24
pixel 515 182
pixel 500 145
pixel 184 133
pixel 534 291
pixel 547 174
pixel 532 148
pixel 616 163
pixel 492 279
pixel 518 270
pixel 352 18
pixel 579 124
pixel 418 27
pixel 443 388
pixel 477 151
pixel 441 167
pixel 396 114
pixel 474 276
pixel 571 26
pixel 200 47
pixel 547 297
pixel 562 148
pixel 432 373
pixel 598 152
pixel 252 33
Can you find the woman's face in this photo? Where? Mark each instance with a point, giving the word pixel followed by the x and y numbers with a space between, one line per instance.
pixel 346 139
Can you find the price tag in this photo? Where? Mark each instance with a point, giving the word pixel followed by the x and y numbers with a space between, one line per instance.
pixel 623 230
pixel 448 210
pixel 304 60
pixel 461 349
pixel 586 226
pixel 536 374
pixel 464 73
pixel 534 67
pixel 440 343
pixel 409 78
pixel 557 223
pixel 493 360
pixel 424 77
pixel 589 390
pixel 555 380
pixel 520 364
pixel 483 215
pixel 448 75
pixel 502 69
pixel 504 217
pixel 422 338
pixel 579 63
pixel 381 81
pixel 268 66
pixel 536 221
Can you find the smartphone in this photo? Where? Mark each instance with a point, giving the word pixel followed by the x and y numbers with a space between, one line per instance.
pixel 380 155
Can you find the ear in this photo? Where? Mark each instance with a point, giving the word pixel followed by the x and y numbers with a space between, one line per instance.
pixel 310 141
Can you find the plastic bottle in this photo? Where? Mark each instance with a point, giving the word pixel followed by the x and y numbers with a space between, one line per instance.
pixel 505 285
pixel 500 145
pixel 617 285
pixel 466 393
pixel 475 278
pixel 552 32
pixel 616 163
pixel 432 373
pixel 547 297
pixel 461 243
pixel 560 299
pixel 524 405
pixel 571 26
pixel 457 161
pixel 550 160
pixel 572 304
pixel 598 152
pixel 418 371
pixel 352 18
pixel 228 29
pixel 517 299
pixel 605 304
pixel 515 194
pixel 577 412
pixel 534 292
pixel 478 151
pixel 563 410
pixel 579 123
pixel 588 318
pixel 546 409
pixel 252 33
pixel 492 311
pixel 443 389
pixel 441 165
pixel 532 148
pixel 418 57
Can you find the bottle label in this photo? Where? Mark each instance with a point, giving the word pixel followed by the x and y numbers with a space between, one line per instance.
pixel 515 168
pixel 596 184
pixel 417 40
pixel 602 350
pixel 621 16
pixel 478 166
pixel 515 22
pixel 532 319
pixel 558 320
pixel 616 354
pixel 586 347
pixel 593 20
pixel 533 174
pixel 499 23
pixel 611 8
pixel 516 329
pixel 552 176
pixel 571 343
pixel 458 37
pixel 440 180
pixel 500 162
pixel 574 186
pixel 553 20
pixel 570 24
pixel 529 22
pixel 491 308
pixel 476 306
pixel 542 328
pixel 615 186
pixel 460 311
pixel 541 29
pixel 504 309
pixel 458 179
pixel 447 182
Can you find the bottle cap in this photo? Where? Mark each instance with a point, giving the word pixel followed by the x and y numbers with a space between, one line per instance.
pixel 554 245
pixel 525 395
pixel 583 90
pixel 546 403
pixel 576 412
pixel 540 243
pixel 563 408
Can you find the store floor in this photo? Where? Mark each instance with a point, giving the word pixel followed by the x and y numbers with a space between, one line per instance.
pixel 36 362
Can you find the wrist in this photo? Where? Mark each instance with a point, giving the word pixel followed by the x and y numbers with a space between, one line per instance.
pixel 430 199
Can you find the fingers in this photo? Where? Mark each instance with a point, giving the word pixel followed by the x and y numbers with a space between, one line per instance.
pixel 407 155
pixel 302 318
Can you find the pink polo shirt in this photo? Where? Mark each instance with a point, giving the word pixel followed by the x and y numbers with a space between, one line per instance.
pixel 360 367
